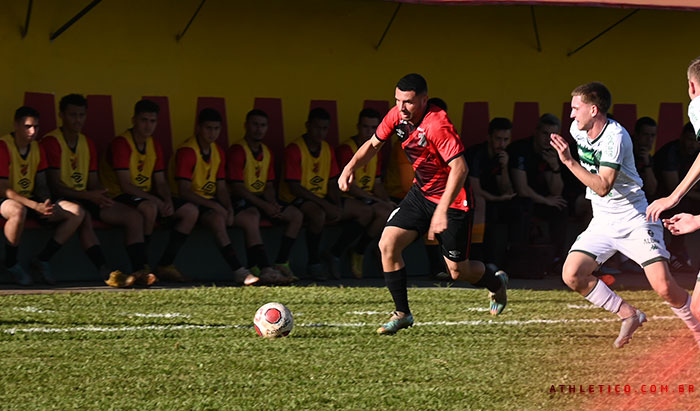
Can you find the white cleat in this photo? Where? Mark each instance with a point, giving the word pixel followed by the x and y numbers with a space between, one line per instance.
pixel 628 327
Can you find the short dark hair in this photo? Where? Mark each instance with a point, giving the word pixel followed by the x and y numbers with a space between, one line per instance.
pixel 643 122
pixel 72 100
pixel 413 82
pixel 437 101
pixel 256 113
pixel 25 111
pixel 499 123
pixel 318 113
pixel 208 114
pixel 595 93
pixel 368 113
pixel 146 106
pixel 548 119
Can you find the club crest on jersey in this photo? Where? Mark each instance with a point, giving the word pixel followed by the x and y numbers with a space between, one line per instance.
pixel 404 129
pixel 74 162
pixel 422 140
pixel 257 171
pixel 315 167
pixel 23 169
pixel 140 165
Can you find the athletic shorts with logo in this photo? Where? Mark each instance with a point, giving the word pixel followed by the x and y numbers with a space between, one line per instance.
pixel 642 243
pixel 415 213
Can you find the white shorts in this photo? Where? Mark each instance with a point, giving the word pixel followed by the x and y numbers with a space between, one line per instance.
pixel 644 244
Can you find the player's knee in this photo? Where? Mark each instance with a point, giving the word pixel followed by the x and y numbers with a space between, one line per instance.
pixel 188 213
pixel 15 210
pixel 149 210
pixel 664 291
pixel 387 245
pixel 294 215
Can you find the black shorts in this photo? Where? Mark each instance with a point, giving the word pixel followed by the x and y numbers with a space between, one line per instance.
pixel 415 212
pixel 128 199
pixel 92 208
pixel 33 215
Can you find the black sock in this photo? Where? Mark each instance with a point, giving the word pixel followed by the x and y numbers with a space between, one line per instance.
pixel 176 240
pixel 10 255
pixel 396 283
pixel 347 237
pixel 489 280
pixel 96 255
pixel 147 239
pixel 362 244
pixel 437 262
pixel 285 248
pixel 137 255
pixel 313 242
pixel 51 247
pixel 257 256
pixel 230 257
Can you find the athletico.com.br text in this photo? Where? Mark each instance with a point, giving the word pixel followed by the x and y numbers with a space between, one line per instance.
pixel 622 389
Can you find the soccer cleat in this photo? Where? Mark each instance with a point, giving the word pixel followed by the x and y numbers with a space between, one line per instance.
pixel 144 277
pixel 269 275
pixel 397 321
pixel 333 263
pixel 628 327
pixel 20 276
pixel 42 269
pixel 499 299
pixel 317 272
pixel 356 264
pixel 286 270
pixel 170 273
pixel 118 279
pixel 243 276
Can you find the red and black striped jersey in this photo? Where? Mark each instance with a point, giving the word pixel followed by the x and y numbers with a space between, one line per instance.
pixel 429 145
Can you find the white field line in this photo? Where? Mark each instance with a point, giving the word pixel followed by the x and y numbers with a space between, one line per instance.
pixel 582 307
pixel 160 315
pixel 48 330
pixel 30 309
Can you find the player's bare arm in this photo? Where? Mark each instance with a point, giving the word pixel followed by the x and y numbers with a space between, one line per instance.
pixel 455 182
pixel 523 189
pixel 600 183
pixel 239 190
pixel 44 208
pixel 333 212
pixel 163 191
pixel 95 195
pixel 665 203
pixel 478 191
pixel 365 153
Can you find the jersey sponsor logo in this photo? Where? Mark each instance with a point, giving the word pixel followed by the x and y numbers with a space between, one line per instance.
pixel 141 178
pixel 258 184
pixel 364 181
pixel 404 129
pixel 24 183
pixel 77 179
pixel 209 188
pixel 454 253
pixel 317 180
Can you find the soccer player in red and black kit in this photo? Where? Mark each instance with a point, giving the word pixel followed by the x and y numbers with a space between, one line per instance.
pixel 437 203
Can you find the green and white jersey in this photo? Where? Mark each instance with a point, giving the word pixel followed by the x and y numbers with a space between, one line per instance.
pixel 625 206
pixel 694 115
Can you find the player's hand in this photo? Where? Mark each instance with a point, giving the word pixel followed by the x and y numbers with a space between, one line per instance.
pixel 551 158
pixel 346 178
pixel 502 157
pixel 555 201
pixel 438 224
pixel 683 223
pixel 168 208
pixel 506 197
pixel 100 198
pixel 562 148
pixel 657 207
pixel 45 208
pixel 273 210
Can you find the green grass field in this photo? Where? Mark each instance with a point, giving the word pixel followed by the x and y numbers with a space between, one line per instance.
pixel 196 349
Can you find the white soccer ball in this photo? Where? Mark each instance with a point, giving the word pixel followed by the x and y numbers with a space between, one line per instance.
pixel 273 320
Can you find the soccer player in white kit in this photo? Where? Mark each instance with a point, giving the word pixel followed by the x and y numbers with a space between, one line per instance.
pixel 619 223
pixel 685 223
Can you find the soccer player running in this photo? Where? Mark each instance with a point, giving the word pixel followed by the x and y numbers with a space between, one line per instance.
pixel 685 223
pixel 618 224
pixel 438 202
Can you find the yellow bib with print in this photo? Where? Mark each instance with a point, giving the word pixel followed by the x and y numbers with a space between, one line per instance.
pixel 314 171
pixel 22 170
pixel 141 167
pixel 75 165
pixel 204 173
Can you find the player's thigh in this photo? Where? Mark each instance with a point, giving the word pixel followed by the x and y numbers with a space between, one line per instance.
pixel 395 239
pixel 645 245
pixel 12 209
pixel 64 210
pixel 312 211
pixel 119 214
pixel 595 244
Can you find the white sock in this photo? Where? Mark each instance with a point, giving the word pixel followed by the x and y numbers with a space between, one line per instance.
pixel 690 321
pixel 604 297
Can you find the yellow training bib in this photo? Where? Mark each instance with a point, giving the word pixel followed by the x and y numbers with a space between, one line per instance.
pixel 75 165
pixel 204 173
pixel 366 176
pixel 314 171
pixel 141 167
pixel 22 170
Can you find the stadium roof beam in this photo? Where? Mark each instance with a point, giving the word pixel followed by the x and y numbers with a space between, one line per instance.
pixel 25 29
pixel 569 54
pixel 75 18
pixel 534 26
pixel 182 34
pixel 388 26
